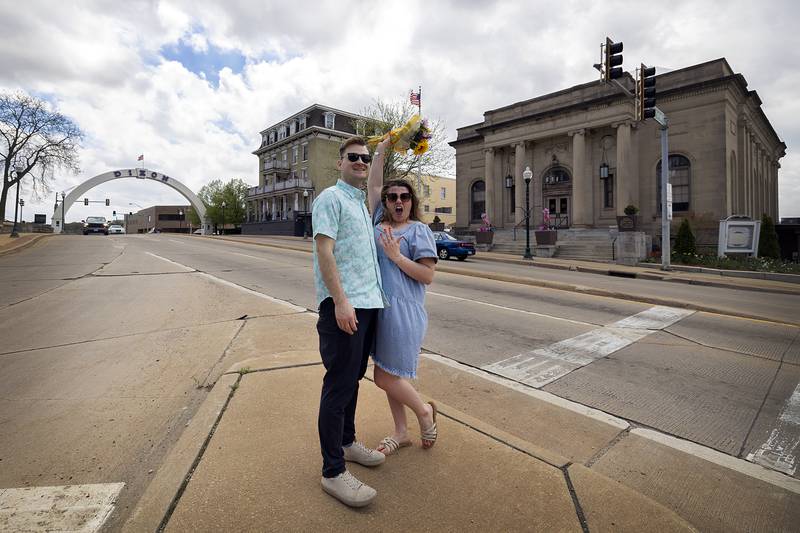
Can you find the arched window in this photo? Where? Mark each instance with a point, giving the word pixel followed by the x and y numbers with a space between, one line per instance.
pixel 556 176
pixel 477 195
pixel 680 174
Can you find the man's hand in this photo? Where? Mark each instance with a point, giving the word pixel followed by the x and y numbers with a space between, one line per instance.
pixel 346 316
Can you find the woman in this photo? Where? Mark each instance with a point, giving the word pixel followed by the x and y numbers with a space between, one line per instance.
pixel 407 259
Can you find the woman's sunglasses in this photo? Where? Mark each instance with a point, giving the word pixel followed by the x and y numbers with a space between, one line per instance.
pixel 365 158
pixel 392 196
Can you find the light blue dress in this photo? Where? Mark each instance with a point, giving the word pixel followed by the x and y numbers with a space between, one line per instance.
pixel 402 324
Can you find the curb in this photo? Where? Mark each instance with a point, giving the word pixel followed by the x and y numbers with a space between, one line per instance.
pixel 26 244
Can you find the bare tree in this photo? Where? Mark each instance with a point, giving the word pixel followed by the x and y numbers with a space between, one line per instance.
pixel 437 161
pixel 36 138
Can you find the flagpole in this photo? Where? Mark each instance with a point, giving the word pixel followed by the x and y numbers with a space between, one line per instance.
pixel 419 170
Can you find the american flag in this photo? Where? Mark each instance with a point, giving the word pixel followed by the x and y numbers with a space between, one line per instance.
pixel 414 98
pixel 141 158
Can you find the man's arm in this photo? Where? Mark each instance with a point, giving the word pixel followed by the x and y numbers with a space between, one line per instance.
pixel 345 314
pixel 375 180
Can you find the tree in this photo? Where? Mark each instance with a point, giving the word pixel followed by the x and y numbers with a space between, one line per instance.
pixel 768 239
pixel 685 242
pixel 36 137
pixel 233 193
pixel 437 161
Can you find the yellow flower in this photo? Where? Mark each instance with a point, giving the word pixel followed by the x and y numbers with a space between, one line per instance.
pixel 421 147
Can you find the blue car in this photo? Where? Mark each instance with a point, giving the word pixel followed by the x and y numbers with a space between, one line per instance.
pixel 448 246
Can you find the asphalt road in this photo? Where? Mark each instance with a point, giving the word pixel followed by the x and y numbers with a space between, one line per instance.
pixel 110 343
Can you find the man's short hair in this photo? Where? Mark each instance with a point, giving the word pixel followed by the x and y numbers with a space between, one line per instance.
pixel 361 141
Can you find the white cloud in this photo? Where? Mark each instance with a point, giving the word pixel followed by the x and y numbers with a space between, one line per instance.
pixel 101 62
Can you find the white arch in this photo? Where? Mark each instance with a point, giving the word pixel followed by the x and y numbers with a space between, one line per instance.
pixel 138 173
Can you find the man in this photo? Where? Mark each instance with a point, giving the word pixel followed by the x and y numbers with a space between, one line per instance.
pixel 349 294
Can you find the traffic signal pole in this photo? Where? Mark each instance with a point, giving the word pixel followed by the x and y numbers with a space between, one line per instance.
pixel 665 222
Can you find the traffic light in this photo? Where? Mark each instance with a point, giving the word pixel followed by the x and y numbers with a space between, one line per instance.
pixel 646 92
pixel 114 213
pixel 613 58
pixel 85 201
pixel 108 202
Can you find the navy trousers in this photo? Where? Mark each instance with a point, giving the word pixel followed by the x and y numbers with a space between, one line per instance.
pixel 345 358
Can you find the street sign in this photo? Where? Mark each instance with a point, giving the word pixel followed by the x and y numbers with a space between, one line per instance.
pixel 660 117
pixel 669 201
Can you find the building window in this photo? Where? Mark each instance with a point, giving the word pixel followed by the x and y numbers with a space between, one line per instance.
pixel 608 191
pixel 444 210
pixel 305 174
pixel 305 152
pixel 426 190
pixel 292 127
pixel 284 155
pixel 443 193
pixel 302 122
pixel 426 208
pixel 330 120
pixel 680 177
pixel 272 136
pixel 477 195
pixel 294 154
pixel 556 176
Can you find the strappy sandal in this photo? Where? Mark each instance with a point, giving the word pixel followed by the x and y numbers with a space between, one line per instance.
pixel 429 435
pixel 389 445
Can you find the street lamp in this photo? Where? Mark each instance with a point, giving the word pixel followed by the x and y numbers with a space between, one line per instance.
pixel 527 176
pixel 19 169
pixel 63 222
pixel 180 220
pixel 223 218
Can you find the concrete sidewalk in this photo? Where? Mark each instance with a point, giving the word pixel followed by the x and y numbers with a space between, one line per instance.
pixel 509 458
pixel 10 245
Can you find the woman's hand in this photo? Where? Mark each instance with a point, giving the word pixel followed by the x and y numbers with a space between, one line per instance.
pixel 391 246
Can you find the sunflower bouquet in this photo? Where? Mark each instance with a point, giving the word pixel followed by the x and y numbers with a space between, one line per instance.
pixel 413 135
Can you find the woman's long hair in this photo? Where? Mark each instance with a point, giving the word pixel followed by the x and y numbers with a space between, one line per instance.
pixel 414 212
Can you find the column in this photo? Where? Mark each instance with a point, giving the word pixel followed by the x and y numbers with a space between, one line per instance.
pixel 488 179
pixel 627 190
pixel 582 212
pixel 775 191
pixel 272 215
pixel 296 200
pixel 519 183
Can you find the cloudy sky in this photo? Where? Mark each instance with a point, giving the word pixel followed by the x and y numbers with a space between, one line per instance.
pixel 190 84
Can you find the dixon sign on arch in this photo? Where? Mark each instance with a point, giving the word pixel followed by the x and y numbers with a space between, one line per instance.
pixel 139 173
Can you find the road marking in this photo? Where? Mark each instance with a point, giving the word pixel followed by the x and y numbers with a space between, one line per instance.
pixel 458 298
pixel 188 269
pixel 778 453
pixel 545 365
pixel 558 401
pixel 74 508
pixel 179 242
pixel 245 255
pixel 255 293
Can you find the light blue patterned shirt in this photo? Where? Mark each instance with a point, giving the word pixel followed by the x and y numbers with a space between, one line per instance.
pixel 340 212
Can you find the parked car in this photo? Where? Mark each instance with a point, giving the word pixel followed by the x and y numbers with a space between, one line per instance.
pixel 95 225
pixel 116 228
pixel 448 246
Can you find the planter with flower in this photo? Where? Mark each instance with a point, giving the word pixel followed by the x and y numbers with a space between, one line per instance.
pixel 546 235
pixel 485 234
pixel 437 224
pixel 630 221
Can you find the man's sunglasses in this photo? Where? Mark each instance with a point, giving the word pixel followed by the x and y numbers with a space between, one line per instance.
pixel 365 158
pixel 404 196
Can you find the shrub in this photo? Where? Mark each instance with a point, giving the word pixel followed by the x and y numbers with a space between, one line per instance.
pixel 768 239
pixel 436 219
pixel 631 210
pixel 684 242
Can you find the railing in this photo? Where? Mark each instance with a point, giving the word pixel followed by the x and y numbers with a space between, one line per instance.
pixel 281 185
pixel 277 164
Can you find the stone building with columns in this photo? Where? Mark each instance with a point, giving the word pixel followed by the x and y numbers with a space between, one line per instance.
pixel 724 155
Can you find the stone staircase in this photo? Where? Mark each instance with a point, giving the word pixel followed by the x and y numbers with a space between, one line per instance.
pixel 586 245
pixel 578 244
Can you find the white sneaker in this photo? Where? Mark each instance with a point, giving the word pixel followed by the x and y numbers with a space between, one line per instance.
pixel 358 453
pixel 348 490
